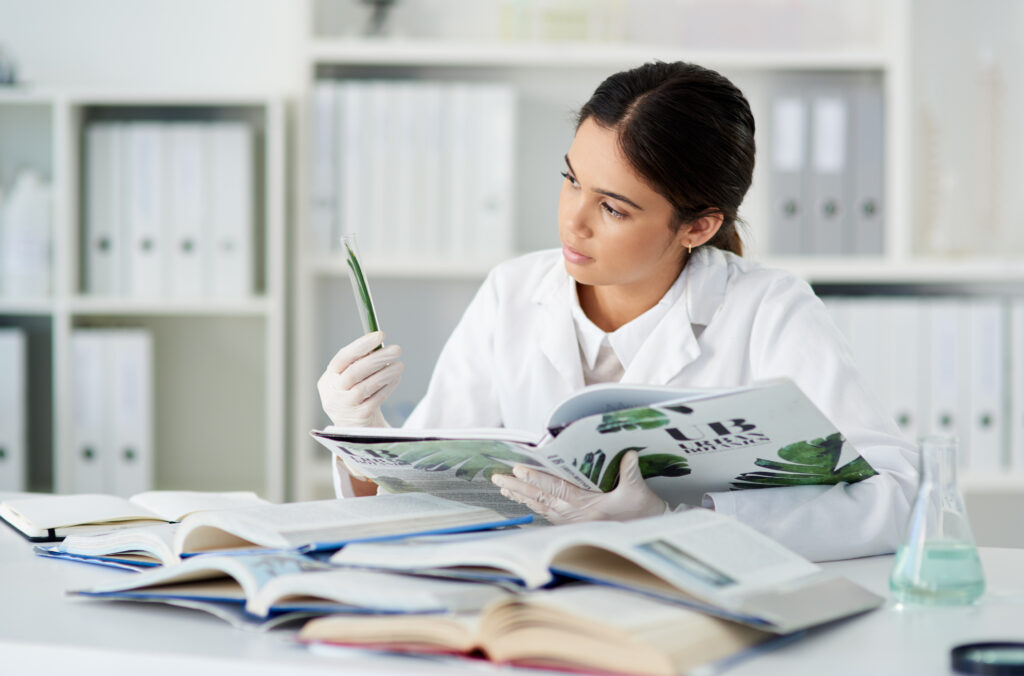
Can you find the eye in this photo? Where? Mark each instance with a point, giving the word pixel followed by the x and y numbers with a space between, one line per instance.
pixel 612 212
pixel 572 179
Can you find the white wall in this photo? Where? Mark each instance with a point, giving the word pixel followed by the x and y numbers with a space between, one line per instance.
pixel 192 45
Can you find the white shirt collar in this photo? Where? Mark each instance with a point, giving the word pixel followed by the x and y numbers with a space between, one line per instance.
pixel 627 340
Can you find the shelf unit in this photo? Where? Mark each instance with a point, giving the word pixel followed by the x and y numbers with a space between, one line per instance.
pixel 219 366
pixel 552 80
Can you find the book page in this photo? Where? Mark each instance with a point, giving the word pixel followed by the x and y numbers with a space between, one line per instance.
pixel 176 505
pixel 323 521
pixel 156 539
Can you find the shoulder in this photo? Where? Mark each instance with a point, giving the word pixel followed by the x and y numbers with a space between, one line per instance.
pixel 761 283
pixel 529 274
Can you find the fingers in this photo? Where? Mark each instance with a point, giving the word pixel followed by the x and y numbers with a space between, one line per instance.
pixel 629 470
pixel 525 494
pixel 358 348
pixel 368 365
pixel 558 488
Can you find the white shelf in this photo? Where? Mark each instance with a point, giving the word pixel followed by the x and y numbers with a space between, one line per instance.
pixel 85 305
pixel 408 268
pixel 598 55
pixel 12 306
pixel 880 270
pixel 992 483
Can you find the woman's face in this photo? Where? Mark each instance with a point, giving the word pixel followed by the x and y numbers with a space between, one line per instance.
pixel 615 229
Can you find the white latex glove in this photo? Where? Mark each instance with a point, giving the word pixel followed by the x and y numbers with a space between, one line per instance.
pixel 358 380
pixel 559 501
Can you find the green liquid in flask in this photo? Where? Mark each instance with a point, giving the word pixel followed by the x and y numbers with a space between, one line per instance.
pixel 943 573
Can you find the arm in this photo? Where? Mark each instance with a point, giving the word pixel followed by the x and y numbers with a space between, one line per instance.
pixel 793 336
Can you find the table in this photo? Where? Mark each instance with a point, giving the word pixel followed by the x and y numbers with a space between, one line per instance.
pixel 42 631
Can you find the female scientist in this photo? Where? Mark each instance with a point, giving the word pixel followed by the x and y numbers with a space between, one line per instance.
pixel 649 287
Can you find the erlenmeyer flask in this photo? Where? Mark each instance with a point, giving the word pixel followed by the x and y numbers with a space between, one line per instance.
pixel 938 562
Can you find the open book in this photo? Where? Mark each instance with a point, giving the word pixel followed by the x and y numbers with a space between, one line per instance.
pixel 582 628
pixel 690 442
pixel 45 518
pixel 696 557
pixel 320 525
pixel 265 584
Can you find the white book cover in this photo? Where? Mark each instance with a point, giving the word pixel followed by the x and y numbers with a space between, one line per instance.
pixel 184 208
pixel 103 238
pixel 948 359
pixel 1016 389
pixel 130 460
pixel 906 334
pixel 323 230
pixel 143 176
pixel 13 409
pixel 987 385
pixel 91 424
pixel 230 202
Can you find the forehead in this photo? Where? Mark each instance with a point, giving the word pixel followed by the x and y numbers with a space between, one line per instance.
pixel 599 163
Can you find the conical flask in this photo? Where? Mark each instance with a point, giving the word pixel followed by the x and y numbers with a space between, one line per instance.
pixel 938 563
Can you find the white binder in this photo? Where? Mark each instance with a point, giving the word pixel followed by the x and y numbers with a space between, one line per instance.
pixel 866 231
pixel 102 241
pixel 869 334
pixel 403 161
pixel 379 236
pixel 13 410
pixel 826 196
pixel 1016 389
pixel 788 150
pixel 987 386
pixel 458 234
pixel 948 356
pixel 91 379
pixel 144 176
pixel 906 338
pixel 185 205
pixel 25 236
pixel 230 203
pixel 323 228
pixel 129 460
pixel 494 165
pixel 429 173
pixel 354 160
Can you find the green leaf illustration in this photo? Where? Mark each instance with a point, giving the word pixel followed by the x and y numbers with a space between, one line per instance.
pixel 632 419
pixel 468 458
pixel 651 465
pixel 809 463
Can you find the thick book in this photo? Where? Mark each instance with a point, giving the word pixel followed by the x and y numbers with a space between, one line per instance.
pixel 697 558
pixel 690 442
pixel 581 628
pixel 320 525
pixel 47 518
pixel 267 584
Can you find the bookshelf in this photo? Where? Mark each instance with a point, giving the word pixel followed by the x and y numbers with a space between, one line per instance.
pixel 552 79
pixel 218 384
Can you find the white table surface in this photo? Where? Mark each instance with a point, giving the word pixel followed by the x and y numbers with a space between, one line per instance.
pixel 43 631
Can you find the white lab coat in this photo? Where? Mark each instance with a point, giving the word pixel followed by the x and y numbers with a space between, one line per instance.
pixel 514 356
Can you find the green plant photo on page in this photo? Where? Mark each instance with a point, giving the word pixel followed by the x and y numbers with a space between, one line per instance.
pixel 359 286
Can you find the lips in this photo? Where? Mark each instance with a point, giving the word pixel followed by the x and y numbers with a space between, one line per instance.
pixel 574 256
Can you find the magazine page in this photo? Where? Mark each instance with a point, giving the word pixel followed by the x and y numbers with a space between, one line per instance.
pixel 457 469
pixel 752 438
pixel 176 505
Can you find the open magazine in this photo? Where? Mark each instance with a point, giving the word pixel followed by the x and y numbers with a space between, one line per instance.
pixel 689 442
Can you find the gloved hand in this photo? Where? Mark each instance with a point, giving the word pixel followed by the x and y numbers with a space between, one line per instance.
pixel 358 380
pixel 559 501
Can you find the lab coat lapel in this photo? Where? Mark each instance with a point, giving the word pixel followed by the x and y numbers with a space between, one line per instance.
pixel 672 345
pixel 557 334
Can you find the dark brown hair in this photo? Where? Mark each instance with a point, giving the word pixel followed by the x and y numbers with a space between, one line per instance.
pixel 688 131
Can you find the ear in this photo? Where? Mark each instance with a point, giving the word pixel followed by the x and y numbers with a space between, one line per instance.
pixel 701 229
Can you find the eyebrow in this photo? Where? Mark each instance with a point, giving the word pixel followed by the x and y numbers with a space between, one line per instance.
pixel 608 193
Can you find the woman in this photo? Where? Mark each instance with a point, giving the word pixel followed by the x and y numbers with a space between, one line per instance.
pixel 650 287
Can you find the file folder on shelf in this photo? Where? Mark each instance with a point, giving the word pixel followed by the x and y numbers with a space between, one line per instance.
pixel 1016 389
pixel 90 424
pixel 788 159
pixel 826 197
pixel 986 384
pixel 867 203
pixel 231 201
pixel 13 409
pixel 323 227
pixel 185 206
pixel 130 453
pixel 143 179
pixel 103 237
pixel 948 355
pixel 906 338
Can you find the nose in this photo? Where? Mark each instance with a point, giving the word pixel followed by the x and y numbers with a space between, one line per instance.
pixel 572 210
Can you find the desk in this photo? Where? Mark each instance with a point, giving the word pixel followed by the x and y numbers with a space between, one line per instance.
pixel 42 631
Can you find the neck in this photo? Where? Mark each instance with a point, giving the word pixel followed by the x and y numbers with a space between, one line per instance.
pixel 613 306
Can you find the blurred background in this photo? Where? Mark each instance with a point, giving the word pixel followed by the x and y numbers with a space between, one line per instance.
pixel 175 177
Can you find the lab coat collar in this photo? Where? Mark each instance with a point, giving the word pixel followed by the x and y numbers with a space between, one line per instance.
pixel 671 345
